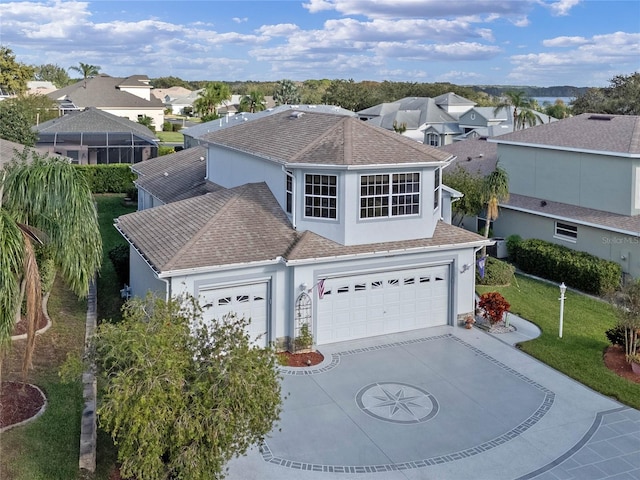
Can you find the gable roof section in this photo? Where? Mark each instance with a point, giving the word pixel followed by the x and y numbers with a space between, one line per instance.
pixel 231 226
pixel 629 225
pixel 176 176
pixel 453 99
pixel 9 151
pixel 94 120
pixel 102 91
pixel 588 132
pixel 414 111
pixel 294 137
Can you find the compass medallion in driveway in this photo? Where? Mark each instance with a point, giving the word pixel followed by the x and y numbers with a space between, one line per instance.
pixel 397 402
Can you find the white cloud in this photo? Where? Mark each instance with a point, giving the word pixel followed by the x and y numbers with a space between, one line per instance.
pixel 240 20
pixel 460 77
pixel 280 30
pixel 565 42
pixel 601 53
pixel 562 7
pixel 422 8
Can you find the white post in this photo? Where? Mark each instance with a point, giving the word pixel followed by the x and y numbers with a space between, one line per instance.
pixel 563 289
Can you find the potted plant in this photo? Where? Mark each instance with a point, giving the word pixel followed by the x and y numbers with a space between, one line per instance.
pixel 469 321
pixel 634 360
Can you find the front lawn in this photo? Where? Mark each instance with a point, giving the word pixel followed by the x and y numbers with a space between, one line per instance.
pixel 170 137
pixel 579 352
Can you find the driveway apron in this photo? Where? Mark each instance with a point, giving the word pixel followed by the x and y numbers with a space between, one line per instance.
pixel 442 403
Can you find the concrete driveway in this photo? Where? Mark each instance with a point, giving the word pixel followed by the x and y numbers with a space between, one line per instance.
pixel 442 403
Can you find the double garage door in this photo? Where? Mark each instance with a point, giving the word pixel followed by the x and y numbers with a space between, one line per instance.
pixel 249 301
pixel 380 303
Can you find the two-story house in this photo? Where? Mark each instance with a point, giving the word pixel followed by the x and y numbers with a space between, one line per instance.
pixel 310 218
pixel 576 182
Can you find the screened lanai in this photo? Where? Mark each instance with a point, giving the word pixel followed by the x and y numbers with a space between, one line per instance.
pixel 96 137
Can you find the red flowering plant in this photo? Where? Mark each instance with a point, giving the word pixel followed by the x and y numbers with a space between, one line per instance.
pixel 493 305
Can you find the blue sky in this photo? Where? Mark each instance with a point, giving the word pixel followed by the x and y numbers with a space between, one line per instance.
pixel 466 42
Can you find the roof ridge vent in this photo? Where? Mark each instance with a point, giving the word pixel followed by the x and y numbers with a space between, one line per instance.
pixel 600 117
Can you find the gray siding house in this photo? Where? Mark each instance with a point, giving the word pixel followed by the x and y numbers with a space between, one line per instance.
pixel 305 218
pixel 576 182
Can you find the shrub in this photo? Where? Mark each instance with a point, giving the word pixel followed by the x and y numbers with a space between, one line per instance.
pixel 113 178
pixel 176 127
pixel 579 270
pixel 119 256
pixel 513 242
pixel 496 272
pixel 164 150
pixel 167 127
pixel 494 306
pixel 616 335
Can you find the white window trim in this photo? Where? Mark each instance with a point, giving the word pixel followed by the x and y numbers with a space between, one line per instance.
pixel 437 191
pixel 560 236
pixel 390 196
pixel 306 195
pixel 289 193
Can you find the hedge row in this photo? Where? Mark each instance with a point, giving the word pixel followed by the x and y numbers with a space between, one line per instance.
pixel 112 178
pixel 496 272
pixel 579 270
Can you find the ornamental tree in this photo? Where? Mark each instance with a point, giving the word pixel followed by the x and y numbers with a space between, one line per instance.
pixel 182 396
pixel 494 306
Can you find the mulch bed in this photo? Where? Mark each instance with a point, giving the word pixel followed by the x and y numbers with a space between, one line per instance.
pixel 310 359
pixel 615 361
pixel 18 402
pixel 21 327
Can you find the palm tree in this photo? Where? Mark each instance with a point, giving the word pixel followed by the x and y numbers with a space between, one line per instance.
pixel 147 121
pixel 523 113
pixel 253 102
pixel 286 93
pixel 210 97
pixel 86 70
pixel 495 189
pixel 43 201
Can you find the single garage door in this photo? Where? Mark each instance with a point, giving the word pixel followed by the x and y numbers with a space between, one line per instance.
pixel 381 303
pixel 249 301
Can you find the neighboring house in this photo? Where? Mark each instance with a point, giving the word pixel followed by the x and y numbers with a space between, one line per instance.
pixel 177 98
pixel 93 136
pixel 10 151
pixel 312 218
pixel 124 97
pixel 193 134
pixel 40 87
pixel 443 120
pixel 576 182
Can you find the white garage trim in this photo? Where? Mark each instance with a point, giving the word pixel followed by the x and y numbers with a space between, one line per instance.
pixel 382 302
pixel 249 300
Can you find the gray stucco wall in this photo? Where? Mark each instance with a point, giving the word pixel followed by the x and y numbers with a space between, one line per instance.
pixel 601 182
pixel 622 249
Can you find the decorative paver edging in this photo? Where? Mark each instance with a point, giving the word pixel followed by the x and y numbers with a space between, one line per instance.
pixel 540 412
pixel 30 419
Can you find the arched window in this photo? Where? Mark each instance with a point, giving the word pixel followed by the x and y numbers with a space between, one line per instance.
pixel 433 139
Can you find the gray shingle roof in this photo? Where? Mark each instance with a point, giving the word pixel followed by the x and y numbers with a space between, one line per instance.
pixel 8 151
pixel 244 225
pixel 415 111
pixel 318 138
pixel 101 91
pixel 176 176
pixel 606 220
pixel 614 134
pixel 230 226
pixel 94 120
pixel 473 149
pixel 198 131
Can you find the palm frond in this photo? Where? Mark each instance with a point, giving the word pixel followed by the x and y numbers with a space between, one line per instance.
pixel 11 258
pixel 33 296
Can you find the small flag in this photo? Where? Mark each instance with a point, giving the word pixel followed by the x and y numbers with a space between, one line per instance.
pixel 321 288
pixel 481 262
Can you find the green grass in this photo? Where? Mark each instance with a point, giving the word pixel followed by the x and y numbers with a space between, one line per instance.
pixel 109 208
pixel 579 353
pixel 171 137
pixel 48 448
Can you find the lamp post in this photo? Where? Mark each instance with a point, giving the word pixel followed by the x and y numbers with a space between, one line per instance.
pixel 563 290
